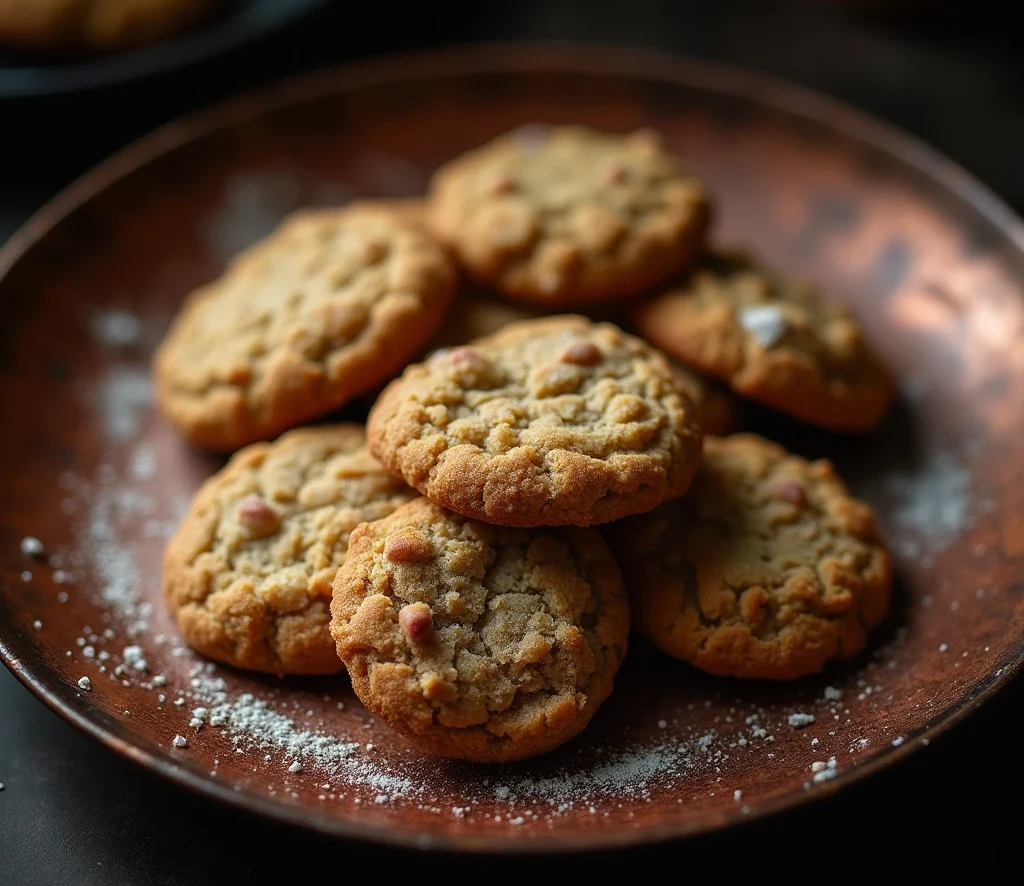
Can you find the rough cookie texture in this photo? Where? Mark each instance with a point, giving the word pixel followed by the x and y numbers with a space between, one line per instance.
pixel 329 306
pixel 557 421
pixel 96 24
pixel 479 642
pixel 565 215
pixel 774 340
pixel 248 574
pixel 767 568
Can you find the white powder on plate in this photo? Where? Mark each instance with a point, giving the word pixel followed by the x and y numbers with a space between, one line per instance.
pixel 125 394
pixel 933 501
pixel 251 208
pixel 115 328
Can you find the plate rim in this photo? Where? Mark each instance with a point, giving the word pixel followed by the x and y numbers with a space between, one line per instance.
pixel 709 76
pixel 206 41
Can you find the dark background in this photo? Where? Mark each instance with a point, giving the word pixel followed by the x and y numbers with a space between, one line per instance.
pixel 951 73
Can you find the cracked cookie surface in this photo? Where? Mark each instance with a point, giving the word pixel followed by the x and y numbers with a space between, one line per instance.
pixel 557 421
pixel 566 215
pixel 248 574
pixel 475 641
pixel 329 306
pixel 772 339
pixel 766 569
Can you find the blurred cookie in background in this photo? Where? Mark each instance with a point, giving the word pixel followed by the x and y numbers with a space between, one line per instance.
pixel 96 25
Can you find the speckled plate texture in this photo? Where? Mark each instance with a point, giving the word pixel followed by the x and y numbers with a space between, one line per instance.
pixel 932 264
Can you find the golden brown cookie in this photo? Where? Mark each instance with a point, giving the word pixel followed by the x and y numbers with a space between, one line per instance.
pixel 248 573
pixel 550 422
pixel 96 24
pixel 565 215
pixel 479 642
pixel 766 569
pixel 329 306
pixel 773 340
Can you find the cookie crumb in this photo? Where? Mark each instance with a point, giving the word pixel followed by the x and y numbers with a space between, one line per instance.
pixel 32 547
pixel 800 720
pixel 85 683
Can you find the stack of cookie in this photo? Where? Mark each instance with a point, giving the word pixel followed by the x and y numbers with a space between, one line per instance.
pixel 449 557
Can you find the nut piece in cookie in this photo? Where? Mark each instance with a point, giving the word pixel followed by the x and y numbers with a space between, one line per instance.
pixel 766 569
pixel 773 340
pixel 550 422
pixel 561 216
pixel 332 304
pixel 248 574
pixel 475 641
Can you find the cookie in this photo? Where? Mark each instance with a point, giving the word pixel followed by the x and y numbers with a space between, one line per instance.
pixel 96 24
pixel 325 309
pixel 248 574
pixel 561 216
pixel 550 422
pixel 766 569
pixel 774 340
pixel 475 641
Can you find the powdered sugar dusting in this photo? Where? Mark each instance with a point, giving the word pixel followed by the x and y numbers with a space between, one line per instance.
pixel 932 502
pixel 124 396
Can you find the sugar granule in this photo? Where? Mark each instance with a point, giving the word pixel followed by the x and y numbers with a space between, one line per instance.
pixel 85 683
pixel 800 720
pixel 32 547
pixel 180 741
pixel 114 328
pixel 37 624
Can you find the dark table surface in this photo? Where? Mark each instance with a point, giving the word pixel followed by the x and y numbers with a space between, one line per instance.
pixel 951 73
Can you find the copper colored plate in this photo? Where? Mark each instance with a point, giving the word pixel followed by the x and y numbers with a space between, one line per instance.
pixel 929 260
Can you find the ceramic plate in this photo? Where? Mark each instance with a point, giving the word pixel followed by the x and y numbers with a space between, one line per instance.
pixel 930 261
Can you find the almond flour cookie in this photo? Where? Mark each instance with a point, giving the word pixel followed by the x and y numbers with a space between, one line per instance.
pixel 549 422
pixel 248 574
pixel 773 340
pixel 479 642
pixel 766 569
pixel 96 24
pixel 566 215
pixel 329 306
